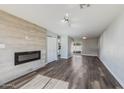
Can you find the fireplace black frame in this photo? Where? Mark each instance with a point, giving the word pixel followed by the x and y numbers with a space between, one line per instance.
pixel 17 54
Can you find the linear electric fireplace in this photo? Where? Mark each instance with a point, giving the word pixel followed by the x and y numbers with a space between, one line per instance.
pixel 24 57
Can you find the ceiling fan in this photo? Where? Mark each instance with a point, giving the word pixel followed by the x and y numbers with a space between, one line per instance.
pixel 82 6
pixel 66 19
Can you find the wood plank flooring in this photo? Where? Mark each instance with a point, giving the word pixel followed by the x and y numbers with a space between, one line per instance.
pixel 81 72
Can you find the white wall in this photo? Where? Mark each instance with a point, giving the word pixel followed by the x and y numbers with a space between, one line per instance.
pixel 66 46
pixel 112 48
pixel 70 42
pixel 51 34
pixel 90 47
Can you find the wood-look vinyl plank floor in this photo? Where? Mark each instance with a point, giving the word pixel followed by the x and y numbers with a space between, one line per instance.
pixel 81 72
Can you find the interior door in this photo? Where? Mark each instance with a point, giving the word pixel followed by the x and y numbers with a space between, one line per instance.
pixel 51 49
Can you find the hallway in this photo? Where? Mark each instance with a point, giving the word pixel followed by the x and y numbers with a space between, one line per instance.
pixel 82 72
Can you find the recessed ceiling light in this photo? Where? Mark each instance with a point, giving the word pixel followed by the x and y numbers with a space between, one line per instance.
pixel 84 37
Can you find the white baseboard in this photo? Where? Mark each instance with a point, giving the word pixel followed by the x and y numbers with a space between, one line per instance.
pixel 90 54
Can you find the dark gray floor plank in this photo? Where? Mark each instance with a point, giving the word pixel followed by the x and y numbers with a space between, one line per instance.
pixel 82 72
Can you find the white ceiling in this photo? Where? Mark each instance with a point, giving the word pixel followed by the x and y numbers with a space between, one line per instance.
pixel 89 22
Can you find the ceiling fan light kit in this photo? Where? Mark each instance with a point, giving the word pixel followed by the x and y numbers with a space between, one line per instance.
pixel 67 19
